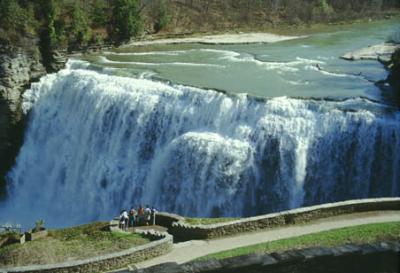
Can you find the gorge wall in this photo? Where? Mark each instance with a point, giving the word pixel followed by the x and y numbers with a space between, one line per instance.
pixel 18 68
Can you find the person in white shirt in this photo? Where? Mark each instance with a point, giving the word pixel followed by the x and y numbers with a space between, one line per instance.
pixel 147 214
pixel 153 216
pixel 123 219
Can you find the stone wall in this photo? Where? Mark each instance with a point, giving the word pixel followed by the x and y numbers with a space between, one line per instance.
pixel 184 231
pixel 368 258
pixel 161 246
pixel 32 236
pixel 165 219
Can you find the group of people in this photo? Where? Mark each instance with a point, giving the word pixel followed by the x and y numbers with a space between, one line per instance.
pixel 141 217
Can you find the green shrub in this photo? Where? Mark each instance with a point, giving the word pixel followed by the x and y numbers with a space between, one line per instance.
pixel 39 225
pixel 99 16
pixel 127 22
pixel 54 27
pixel 11 14
pixel 322 11
pixel 80 30
pixel 162 16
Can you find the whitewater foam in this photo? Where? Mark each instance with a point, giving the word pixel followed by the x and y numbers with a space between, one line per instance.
pixel 166 53
pixel 97 143
pixel 104 60
pixel 292 66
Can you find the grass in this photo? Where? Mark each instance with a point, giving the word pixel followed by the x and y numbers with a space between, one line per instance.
pixel 208 221
pixel 69 244
pixel 359 235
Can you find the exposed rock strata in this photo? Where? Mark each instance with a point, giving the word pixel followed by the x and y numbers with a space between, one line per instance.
pixel 381 52
pixel 394 74
pixel 18 68
pixel 221 39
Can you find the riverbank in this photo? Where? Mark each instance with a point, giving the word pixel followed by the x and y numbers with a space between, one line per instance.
pixel 245 35
pixel 239 38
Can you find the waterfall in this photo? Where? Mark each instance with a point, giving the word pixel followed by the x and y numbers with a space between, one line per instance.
pixel 97 143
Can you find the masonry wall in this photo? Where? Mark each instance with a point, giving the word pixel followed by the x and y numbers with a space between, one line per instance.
pixel 184 231
pixel 106 262
pixel 167 219
pixel 382 257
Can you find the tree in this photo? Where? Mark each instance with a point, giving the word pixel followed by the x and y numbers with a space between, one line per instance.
pixel 99 16
pixel 322 11
pixel 51 12
pixel 11 14
pixel 162 16
pixel 127 21
pixel 52 31
pixel 80 30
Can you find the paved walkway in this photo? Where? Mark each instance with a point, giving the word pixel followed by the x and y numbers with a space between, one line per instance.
pixel 184 252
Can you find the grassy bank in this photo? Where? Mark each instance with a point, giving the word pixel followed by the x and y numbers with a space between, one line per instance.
pixel 359 235
pixel 69 244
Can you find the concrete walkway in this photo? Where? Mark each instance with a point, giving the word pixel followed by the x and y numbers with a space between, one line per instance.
pixel 184 252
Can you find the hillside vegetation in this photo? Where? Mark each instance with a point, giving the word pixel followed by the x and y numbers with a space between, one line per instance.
pixel 72 24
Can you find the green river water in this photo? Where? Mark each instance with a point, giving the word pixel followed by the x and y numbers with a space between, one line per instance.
pixel 287 68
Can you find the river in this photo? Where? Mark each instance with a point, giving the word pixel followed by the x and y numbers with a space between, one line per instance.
pixel 208 130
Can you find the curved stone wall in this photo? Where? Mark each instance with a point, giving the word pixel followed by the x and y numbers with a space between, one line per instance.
pixel 165 219
pixel 185 231
pixel 162 245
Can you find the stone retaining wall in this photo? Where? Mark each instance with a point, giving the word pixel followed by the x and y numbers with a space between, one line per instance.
pixel 31 236
pixel 165 219
pixel 184 231
pixel 369 258
pixel 161 246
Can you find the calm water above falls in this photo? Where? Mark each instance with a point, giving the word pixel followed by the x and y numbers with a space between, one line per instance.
pixel 264 70
pixel 98 142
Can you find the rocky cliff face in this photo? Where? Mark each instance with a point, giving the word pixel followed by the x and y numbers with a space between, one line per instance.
pixel 394 74
pixel 18 68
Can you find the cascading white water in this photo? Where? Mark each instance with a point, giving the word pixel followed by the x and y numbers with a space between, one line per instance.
pixel 98 143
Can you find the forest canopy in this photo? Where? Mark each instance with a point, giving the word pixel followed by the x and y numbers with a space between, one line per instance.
pixel 76 23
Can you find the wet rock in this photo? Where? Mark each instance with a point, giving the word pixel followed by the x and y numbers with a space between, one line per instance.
pixel 381 52
pixel 18 68
pixel 165 268
pixel 268 260
pixel 246 262
pixel 346 250
pixel 59 58
pixel 210 265
pixel 310 253
pixel 288 257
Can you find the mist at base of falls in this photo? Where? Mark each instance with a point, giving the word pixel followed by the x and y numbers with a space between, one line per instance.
pixel 98 143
